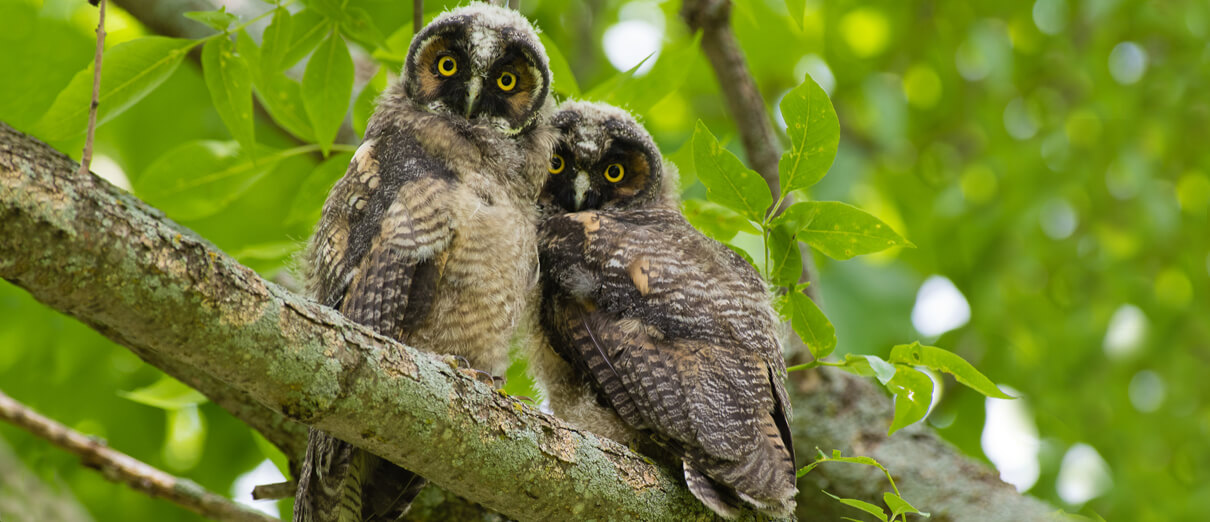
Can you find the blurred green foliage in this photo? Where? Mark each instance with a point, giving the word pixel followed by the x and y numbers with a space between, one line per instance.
pixel 1048 157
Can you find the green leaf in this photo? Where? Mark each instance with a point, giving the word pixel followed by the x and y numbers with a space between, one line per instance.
pixel 218 19
pixel 166 393
pixel 185 438
pixel 230 84
pixel 272 453
pixel 913 394
pixel 395 49
pixel 945 361
pixel 359 25
pixel 814 135
pixel 641 93
pixel 784 258
pixel 328 8
pixel 327 87
pixel 275 43
pixel 797 9
pixel 839 230
pixel 809 322
pixel 364 105
pixel 275 250
pixel 131 70
pixel 563 81
pixel 870 366
pixel 282 99
pixel 716 221
pixel 306 31
pixel 314 190
pixel 899 506
pixel 862 505
pixel 728 182
pixel 200 178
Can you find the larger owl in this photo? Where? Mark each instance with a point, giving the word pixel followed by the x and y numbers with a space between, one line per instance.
pixel 652 329
pixel 429 237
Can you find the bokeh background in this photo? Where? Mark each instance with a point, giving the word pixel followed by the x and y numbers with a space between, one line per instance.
pixel 1049 159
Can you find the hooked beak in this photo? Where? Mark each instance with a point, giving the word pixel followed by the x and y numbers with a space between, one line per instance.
pixel 472 95
pixel 581 188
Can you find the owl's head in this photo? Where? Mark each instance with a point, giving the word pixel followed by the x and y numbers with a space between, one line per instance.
pixel 603 159
pixel 482 63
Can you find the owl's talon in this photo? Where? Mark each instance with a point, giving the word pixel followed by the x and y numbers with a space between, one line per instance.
pixel 457 362
pixel 479 375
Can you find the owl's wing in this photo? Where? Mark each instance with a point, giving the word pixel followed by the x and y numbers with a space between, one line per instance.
pixel 677 342
pixel 377 256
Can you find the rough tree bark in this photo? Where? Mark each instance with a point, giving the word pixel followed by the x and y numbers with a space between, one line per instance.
pixel 93 251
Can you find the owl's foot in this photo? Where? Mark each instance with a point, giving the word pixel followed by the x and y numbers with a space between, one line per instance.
pixel 460 363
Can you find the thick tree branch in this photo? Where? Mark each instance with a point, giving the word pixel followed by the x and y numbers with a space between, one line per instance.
pixel 120 467
pixel 92 251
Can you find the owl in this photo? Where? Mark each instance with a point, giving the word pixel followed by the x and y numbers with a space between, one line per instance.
pixel 430 237
pixel 651 330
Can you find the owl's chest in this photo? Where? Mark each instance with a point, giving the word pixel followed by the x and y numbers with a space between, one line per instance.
pixel 494 241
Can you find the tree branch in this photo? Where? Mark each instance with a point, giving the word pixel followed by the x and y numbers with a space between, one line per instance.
pixel 92 251
pixel 744 104
pixel 120 467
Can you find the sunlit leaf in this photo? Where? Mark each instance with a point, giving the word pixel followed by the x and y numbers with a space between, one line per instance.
pixel 131 70
pixel 359 25
pixel 200 178
pixel 327 87
pixel 282 99
pixel 797 9
pixel 814 136
pixel 641 93
pixel 275 43
pixel 564 81
pixel 945 361
pixel 314 190
pixel 166 393
pixel 186 437
pixel 862 505
pixel 275 250
pixel 913 392
pixel 839 230
pixel 809 322
pixel 363 106
pixel 899 506
pixel 716 221
pixel 728 182
pixel 785 261
pixel 306 31
pixel 218 19
pixel 230 84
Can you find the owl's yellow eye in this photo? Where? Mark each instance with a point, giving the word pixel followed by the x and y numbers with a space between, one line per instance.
pixel 556 164
pixel 507 81
pixel 614 172
pixel 447 66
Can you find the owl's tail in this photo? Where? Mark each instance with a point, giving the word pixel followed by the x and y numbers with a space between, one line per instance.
pixel 341 483
pixel 763 479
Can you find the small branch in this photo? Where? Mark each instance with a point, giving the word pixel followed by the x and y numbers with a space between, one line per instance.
pixel 417 16
pixel 744 103
pixel 120 467
pixel 274 491
pixel 86 157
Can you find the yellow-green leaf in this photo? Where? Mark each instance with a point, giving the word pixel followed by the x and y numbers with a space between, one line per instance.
pixel 913 392
pixel 809 322
pixel 327 87
pixel 814 135
pixel 200 178
pixel 935 358
pixel 728 182
pixel 314 190
pixel 563 80
pixel 839 230
pixel 129 72
pixel 230 84
pixel 714 220
pixel 862 505
pixel 899 506
pixel 166 393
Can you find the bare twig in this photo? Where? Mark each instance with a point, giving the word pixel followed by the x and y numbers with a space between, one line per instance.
pixel 274 491
pixel 744 103
pixel 120 467
pixel 86 158
pixel 417 15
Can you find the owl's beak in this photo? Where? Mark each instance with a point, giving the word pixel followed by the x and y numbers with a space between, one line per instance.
pixel 581 187
pixel 472 95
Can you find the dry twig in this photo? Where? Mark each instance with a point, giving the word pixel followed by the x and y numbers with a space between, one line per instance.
pixel 86 157
pixel 120 467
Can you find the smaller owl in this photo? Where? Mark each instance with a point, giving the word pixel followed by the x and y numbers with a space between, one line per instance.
pixel 653 331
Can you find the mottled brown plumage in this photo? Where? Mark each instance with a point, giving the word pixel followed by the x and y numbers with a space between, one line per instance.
pixel 652 329
pixel 429 237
